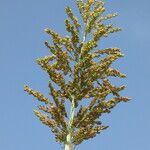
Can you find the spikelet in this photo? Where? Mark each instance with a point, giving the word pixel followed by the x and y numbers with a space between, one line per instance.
pixel 109 16
pixel 114 73
pixel 70 28
pixel 114 101
pixel 91 1
pixel 101 31
pixel 86 133
pixel 107 51
pixel 36 94
pixel 61 136
pixel 47 121
pixel 53 93
pixel 73 18
pixel 50 47
pixel 87 48
pixel 92 22
pixel 84 9
pixel 111 58
pixel 56 115
pixel 55 36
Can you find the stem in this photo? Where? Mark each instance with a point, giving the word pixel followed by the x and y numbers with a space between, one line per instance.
pixel 68 144
pixel 84 39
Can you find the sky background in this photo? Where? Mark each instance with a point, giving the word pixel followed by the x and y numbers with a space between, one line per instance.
pixel 21 42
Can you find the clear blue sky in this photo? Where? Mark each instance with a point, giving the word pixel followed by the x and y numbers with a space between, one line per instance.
pixel 21 42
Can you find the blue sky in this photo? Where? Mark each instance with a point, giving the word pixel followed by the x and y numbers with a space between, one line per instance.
pixel 21 43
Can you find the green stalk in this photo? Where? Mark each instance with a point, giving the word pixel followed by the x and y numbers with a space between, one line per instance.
pixel 69 145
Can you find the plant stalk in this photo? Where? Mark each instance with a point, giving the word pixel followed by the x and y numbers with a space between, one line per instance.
pixel 68 144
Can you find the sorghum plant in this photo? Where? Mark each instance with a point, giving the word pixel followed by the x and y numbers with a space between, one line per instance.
pixel 79 73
